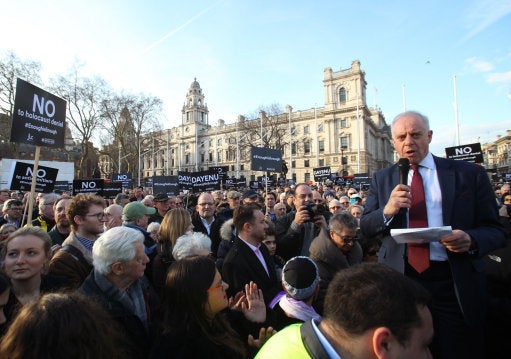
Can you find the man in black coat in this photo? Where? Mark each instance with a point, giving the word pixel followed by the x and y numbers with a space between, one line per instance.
pixel 205 221
pixel 249 260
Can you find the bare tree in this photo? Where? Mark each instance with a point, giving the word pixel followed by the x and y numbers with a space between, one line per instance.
pixel 128 119
pixel 84 98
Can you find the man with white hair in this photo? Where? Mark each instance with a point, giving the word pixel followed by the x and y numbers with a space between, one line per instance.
pixel 191 244
pixel 334 206
pixel 46 218
pixel 118 284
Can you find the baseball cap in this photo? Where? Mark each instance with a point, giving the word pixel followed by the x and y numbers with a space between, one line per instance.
pixel 329 193
pixel 134 210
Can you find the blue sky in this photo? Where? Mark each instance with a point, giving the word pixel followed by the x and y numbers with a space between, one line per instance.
pixel 246 54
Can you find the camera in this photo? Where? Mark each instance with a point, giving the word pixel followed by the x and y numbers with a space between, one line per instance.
pixel 314 209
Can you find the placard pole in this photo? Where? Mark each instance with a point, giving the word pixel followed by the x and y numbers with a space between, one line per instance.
pixel 32 187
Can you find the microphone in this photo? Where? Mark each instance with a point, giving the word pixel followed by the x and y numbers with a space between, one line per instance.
pixel 404 166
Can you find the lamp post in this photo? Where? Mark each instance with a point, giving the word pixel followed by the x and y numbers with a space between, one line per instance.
pixel 288 110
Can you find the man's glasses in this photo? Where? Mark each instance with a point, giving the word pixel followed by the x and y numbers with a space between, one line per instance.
pixel 100 216
pixel 347 240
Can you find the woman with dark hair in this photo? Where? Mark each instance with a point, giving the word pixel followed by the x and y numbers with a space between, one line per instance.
pixel 196 319
pixel 25 255
pixel 62 326
pixel 176 222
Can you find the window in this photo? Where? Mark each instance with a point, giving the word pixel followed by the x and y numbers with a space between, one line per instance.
pixel 187 159
pixel 307 147
pixel 211 157
pixel 219 142
pixel 242 167
pixel 321 162
pixel 307 177
pixel 293 148
pixel 342 95
pixel 219 156
pixel 320 127
pixel 293 164
pixel 306 129
pixel 344 143
pixel 202 157
pixel 306 163
pixel 344 123
pixel 321 145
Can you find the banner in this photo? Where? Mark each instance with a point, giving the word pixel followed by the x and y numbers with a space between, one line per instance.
pixel 321 173
pixel 112 189
pixel 265 159
pixel 38 117
pixel 221 170
pixel 22 177
pixel 469 153
pixel 63 186
pixel 165 184
pixel 125 178
pixel 199 182
pixel 92 186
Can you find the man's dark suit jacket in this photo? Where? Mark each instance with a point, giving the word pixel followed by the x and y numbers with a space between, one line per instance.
pixel 241 266
pixel 468 203
pixel 215 230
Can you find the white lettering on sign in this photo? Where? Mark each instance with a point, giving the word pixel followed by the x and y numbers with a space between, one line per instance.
pixel 40 106
pixel 40 172
pixel 88 185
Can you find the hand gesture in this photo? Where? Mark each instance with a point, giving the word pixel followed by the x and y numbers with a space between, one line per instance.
pixel 264 335
pixel 235 302
pixel 399 198
pixel 253 308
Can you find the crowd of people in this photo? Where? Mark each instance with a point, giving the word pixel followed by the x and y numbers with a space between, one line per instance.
pixel 289 272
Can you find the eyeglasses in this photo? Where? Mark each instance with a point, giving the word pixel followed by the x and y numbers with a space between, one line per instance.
pixel 49 204
pixel 346 240
pixel 100 216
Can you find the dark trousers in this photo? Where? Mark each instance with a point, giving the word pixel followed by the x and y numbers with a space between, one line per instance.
pixel 454 338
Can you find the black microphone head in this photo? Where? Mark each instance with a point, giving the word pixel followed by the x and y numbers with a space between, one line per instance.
pixel 404 166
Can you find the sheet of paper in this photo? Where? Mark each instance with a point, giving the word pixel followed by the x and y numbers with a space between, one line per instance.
pixel 420 235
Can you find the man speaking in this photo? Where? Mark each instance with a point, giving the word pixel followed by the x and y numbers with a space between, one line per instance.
pixel 437 192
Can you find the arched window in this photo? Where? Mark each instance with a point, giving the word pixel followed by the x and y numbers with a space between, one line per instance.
pixel 342 95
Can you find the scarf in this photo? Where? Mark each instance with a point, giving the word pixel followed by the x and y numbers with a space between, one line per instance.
pixel 298 309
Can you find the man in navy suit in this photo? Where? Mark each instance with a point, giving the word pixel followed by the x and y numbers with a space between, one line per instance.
pixel 457 194
pixel 249 260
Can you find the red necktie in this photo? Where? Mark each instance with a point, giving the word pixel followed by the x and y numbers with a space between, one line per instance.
pixel 418 254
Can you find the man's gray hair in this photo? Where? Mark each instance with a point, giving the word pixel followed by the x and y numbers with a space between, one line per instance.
pixel 47 198
pixel 115 245
pixel 189 244
pixel 413 114
pixel 343 220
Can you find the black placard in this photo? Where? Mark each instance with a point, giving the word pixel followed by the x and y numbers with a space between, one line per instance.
pixel 321 173
pixel 166 184
pixel 265 159
pixel 93 186
pixel 38 117
pixel 22 177
pixel 199 181
pixel 469 153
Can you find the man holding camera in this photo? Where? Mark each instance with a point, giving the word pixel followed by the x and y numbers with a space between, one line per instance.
pixel 297 229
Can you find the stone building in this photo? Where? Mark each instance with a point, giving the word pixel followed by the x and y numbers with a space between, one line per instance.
pixel 344 134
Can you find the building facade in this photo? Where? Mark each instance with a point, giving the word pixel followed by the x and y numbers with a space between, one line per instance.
pixel 344 134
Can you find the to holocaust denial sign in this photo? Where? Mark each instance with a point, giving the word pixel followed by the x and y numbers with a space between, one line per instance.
pixel 265 159
pixel 469 153
pixel 93 186
pixel 23 173
pixel 321 173
pixel 38 118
